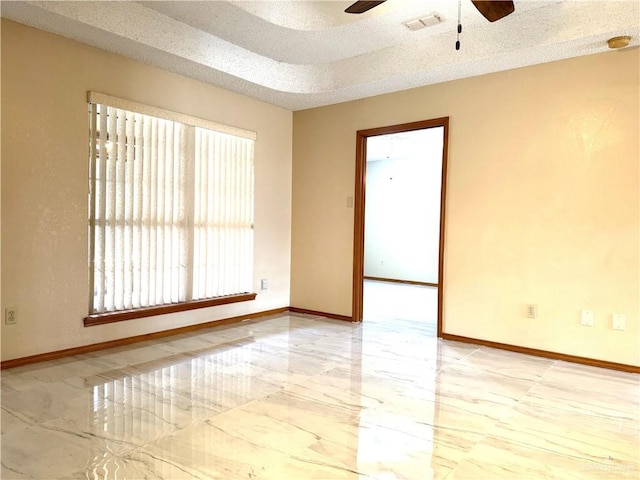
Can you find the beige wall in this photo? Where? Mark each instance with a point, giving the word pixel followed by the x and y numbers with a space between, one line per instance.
pixel 44 185
pixel 542 202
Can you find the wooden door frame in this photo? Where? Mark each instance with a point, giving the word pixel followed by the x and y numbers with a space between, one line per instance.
pixel 359 208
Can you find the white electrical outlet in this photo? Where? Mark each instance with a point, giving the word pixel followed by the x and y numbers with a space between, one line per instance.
pixel 619 321
pixel 10 316
pixel 586 318
pixel 532 311
pixel 264 284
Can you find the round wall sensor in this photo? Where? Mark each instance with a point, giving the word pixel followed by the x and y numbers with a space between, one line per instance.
pixel 619 42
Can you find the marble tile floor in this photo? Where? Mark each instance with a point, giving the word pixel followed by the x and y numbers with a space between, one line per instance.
pixel 301 397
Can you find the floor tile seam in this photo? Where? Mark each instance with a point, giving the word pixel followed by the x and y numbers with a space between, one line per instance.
pixel 466 457
pixel 633 466
pixel 138 410
pixel 233 409
pixel 28 420
pixel 540 378
pixel 527 402
pixel 7 390
pixel 505 421
pixel 297 384
pixel 604 371
pixel 615 402
pixel 25 421
pixel 297 452
pixel 550 369
pixel 482 436
pixel 4 466
pixel 449 474
pixel 549 437
pixel 555 384
pixel 341 406
pixel 530 446
pixel 492 372
pixel 535 382
pixel 484 432
pixel 316 436
pixel 444 367
pixel 520 355
pixel 89 436
pixel 504 403
pixel 334 467
pixel 197 424
pixel 143 450
pixel 532 381
pixel 23 388
pixel 298 348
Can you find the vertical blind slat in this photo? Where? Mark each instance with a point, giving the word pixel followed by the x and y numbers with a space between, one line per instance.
pixel 138 176
pixel 171 219
pixel 197 222
pixel 100 260
pixel 119 226
pixel 153 219
pixel 160 194
pixel 189 169
pixel 145 269
pixel 219 204
pixel 178 212
pixel 93 183
pixel 128 212
pixel 110 219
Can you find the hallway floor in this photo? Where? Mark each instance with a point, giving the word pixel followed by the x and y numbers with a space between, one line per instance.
pixel 400 302
pixel 301 397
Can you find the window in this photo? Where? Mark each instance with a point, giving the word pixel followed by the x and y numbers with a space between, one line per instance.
pixel 170 208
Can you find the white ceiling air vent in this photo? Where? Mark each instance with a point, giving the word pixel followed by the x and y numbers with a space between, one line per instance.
pixel 425 21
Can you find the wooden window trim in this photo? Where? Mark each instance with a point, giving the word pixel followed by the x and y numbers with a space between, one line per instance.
pixel 111 317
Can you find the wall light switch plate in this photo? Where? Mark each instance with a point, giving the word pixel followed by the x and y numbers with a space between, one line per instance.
pixel 586 318
pixel 619 321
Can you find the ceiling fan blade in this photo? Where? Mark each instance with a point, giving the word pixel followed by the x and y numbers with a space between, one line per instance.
pixel 494 10
pixel 363 6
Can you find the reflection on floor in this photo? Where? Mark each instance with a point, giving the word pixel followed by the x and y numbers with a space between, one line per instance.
pixel 299 397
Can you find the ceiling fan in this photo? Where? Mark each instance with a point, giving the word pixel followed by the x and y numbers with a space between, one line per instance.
pixel 492 10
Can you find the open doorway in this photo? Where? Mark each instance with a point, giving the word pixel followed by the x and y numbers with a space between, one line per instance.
pixel 399 221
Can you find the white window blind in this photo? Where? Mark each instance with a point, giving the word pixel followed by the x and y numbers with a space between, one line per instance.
pixel 170 207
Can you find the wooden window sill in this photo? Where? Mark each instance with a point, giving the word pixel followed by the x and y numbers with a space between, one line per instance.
pixel 111 317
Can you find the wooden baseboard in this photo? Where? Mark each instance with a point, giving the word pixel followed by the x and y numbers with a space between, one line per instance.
pixel 68 352
pixel 334 316
pixel 544 353
pixel 395 280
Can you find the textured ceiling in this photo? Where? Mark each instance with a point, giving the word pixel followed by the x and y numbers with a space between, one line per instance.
pixel 303 54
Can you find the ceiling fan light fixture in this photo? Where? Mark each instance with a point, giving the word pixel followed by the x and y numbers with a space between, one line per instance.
pixel 426 21
pixel 619 42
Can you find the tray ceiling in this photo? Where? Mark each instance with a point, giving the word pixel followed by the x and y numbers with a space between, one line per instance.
pixel 304 54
